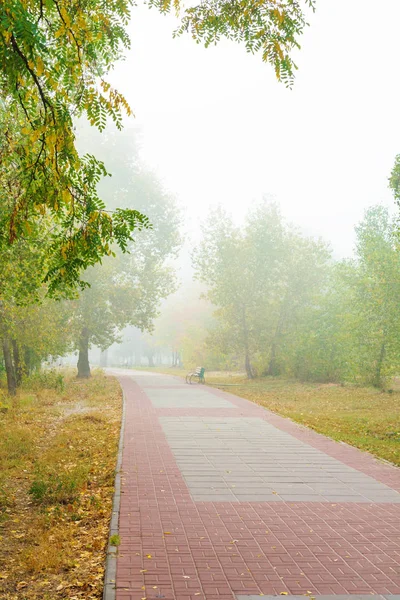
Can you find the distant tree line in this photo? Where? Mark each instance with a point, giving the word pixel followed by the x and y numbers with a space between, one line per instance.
pixel 278 304
pixel 285 307
pixel 126 289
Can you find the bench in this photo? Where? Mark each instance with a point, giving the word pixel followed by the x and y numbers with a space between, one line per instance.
pixel 199 373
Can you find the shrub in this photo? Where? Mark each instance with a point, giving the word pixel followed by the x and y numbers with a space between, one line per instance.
pixel 48 379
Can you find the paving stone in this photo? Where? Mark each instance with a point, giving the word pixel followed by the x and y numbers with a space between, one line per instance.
pixel 185 398
pixel 324 597
pixel 251 448
pixel 178 544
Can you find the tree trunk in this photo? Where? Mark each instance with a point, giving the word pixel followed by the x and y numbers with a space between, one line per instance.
pixel 17 363
pixel 378 372
pixel 11 381
pixel 104 358
pixel 150 359
pixel 273 367
pixel 83 360
pixel 247 361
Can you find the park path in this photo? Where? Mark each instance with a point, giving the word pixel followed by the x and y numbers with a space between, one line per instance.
pixel 224 500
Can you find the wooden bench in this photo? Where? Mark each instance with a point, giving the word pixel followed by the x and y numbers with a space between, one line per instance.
pixel 199 373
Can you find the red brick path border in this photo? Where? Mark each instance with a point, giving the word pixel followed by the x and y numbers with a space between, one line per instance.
pixel 173 548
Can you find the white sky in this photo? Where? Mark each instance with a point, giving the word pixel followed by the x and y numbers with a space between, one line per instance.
pixel 218 128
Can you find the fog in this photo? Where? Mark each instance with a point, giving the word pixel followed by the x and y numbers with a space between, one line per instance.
pixel 218 128
pixel 283 196
pixel 273 246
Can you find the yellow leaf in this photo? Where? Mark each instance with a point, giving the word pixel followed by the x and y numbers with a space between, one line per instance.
pixel 21 585
pixel 39 66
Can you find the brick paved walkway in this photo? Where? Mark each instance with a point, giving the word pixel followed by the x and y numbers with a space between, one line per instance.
pixel 223 500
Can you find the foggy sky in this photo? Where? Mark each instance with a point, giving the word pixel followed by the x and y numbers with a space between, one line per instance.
pixel 218 127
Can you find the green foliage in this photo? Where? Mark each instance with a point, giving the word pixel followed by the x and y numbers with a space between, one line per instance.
pixel 56 57
pixel 271 28
pixel 53 54
pixel 260 277
pixel 128 288
pixel 284 308
pixel 49 379
pixel 394 179
pixel 53 487
pixel 115 540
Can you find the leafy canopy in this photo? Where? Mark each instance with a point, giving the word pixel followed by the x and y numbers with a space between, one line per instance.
pixel 271 27
pixel 55 56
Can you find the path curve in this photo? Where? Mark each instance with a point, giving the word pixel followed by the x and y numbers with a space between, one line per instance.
pixel 224 500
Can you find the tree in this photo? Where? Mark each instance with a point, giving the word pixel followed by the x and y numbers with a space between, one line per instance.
pixel 262 278
pixel 21 269
pixel 180 332
pixel 127 289
pixel 221 261
pixel 375 281
pixel 122 292
pixel 54 58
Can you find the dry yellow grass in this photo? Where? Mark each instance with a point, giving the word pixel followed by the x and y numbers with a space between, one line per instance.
pixel 57 459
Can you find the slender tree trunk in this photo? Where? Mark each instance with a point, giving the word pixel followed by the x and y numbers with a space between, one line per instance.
pixel 11 380
pixel 17 363
pixel 104 358
pixel 83 359
pixel 247 361
pixel 379 364
pixel 150 359
pixel 273 367
pixel 28 360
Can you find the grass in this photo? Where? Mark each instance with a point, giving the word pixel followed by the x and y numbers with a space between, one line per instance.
pixel 115 540
pixel 360 416
pixel 58 452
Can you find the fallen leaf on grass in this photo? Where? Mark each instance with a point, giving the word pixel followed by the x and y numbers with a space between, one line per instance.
pixel 21 585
